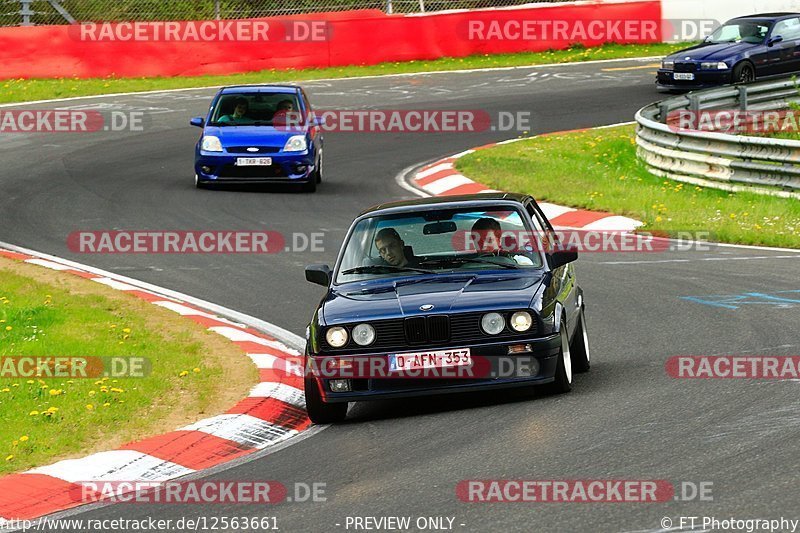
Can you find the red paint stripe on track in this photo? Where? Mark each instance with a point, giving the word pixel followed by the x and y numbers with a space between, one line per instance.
pixel 14 255
pixel 147 296
pixel 578 219
pixel 254 347
pixel 467 188
pixel 192 449
pixel 427 180
pixel 274 411
pixel 206 321
pixel 27 496
pixel 81 273
pixel 275 375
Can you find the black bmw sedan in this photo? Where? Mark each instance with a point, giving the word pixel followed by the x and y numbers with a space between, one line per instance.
pixel 740 51
pixel 441 295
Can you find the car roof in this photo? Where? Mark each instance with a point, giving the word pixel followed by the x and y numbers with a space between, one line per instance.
pixel 767 16
pixel 466 200
pixel 288 89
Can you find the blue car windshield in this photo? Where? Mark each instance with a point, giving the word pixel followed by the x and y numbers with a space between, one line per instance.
pixel 445 240
pixel 744 32
pixel 256 109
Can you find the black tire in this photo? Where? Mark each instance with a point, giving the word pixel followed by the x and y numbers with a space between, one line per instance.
pixel 744 72
pixel 320 412
pixel 318 171
pixel 310 185
pixel 579 348
pixel 563 377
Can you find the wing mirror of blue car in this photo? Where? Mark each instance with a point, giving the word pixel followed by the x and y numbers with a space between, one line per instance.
pixel 197 121
pixel 561 258
pixel 319 274
pixel 774 40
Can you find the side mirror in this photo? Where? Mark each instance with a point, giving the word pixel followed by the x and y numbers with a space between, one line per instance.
pixel 561 258
pixel 319 274
pixel 773 40
pixel 197 121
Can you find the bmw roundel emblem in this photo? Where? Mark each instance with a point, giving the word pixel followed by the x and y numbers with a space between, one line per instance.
pixel 252 149
pixel 426 307
pixel 688 58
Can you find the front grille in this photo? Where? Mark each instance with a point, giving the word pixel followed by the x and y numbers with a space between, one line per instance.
pixel 430 331
pixel 234 171
pixel 415 330
pixel 261 149
pixel 685 67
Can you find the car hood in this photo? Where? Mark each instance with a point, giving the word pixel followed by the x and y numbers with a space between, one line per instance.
pixel 255 135
pixel 448 294
pixel 712 52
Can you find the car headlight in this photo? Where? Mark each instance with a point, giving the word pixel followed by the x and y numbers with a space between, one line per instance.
pixel 668 64
pixel 336 336
pixel 364 334
pixel 296 143
pixel 493 323
pixel 521 321
pixel 211 144
pixel 716 65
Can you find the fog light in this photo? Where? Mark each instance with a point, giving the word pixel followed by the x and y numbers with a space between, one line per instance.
pixel 301 169
pixel 520 348
pixel 206 170
pixel 340 385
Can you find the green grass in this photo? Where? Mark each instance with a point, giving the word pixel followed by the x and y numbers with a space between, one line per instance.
pixel 22 90
pixel 598 170
pixel 49 418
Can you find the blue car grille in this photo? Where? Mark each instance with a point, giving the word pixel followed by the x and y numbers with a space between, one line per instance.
pixel 685 67
pixel 428 331
pixel 261 149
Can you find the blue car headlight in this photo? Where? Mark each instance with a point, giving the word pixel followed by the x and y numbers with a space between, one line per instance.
pixel 211 144
pixel 714 65
pixel 296 143
pixel 668 64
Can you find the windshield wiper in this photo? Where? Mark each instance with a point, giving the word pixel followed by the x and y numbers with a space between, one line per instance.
pixel 380 269
pixel 462 260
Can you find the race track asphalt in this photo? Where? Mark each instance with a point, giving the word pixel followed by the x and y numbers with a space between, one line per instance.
pixel 626 419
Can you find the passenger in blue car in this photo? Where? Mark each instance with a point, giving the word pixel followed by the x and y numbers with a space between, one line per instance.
pixel 393 250
pixel 239 113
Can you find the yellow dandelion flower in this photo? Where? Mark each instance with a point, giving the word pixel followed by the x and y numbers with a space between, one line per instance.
pixel 9 457
pixel 89 406
pixel 33 413
pixel 196 370
pixel 24 438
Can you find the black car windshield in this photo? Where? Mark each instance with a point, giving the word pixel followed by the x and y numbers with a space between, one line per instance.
pixel 439 241
pixel 256 109
pixel 753 32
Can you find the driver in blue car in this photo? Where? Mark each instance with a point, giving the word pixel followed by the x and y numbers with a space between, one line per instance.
pixel 393 250
pixel 239 114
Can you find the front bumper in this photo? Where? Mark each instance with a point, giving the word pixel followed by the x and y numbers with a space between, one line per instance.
pixel 703 79
pixel 285 168
pixel 539 363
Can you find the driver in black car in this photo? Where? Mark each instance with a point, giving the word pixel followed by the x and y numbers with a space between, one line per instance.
pixel 393 250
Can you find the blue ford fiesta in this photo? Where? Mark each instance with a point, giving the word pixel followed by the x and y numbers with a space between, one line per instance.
pixel 424 300
pixel 740 51
pixel 259 134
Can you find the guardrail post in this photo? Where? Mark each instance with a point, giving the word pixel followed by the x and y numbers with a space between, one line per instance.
pixel 694 102
pixel 742 97
pixel 26 12
pixel 663 112
pixel 389 7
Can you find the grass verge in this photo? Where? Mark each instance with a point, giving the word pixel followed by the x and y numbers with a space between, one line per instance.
pixel 25 90
pixel 598 170
pixel 195 373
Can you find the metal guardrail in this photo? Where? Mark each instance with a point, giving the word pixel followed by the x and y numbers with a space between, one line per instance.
pixel 38 12
pixel 735 163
